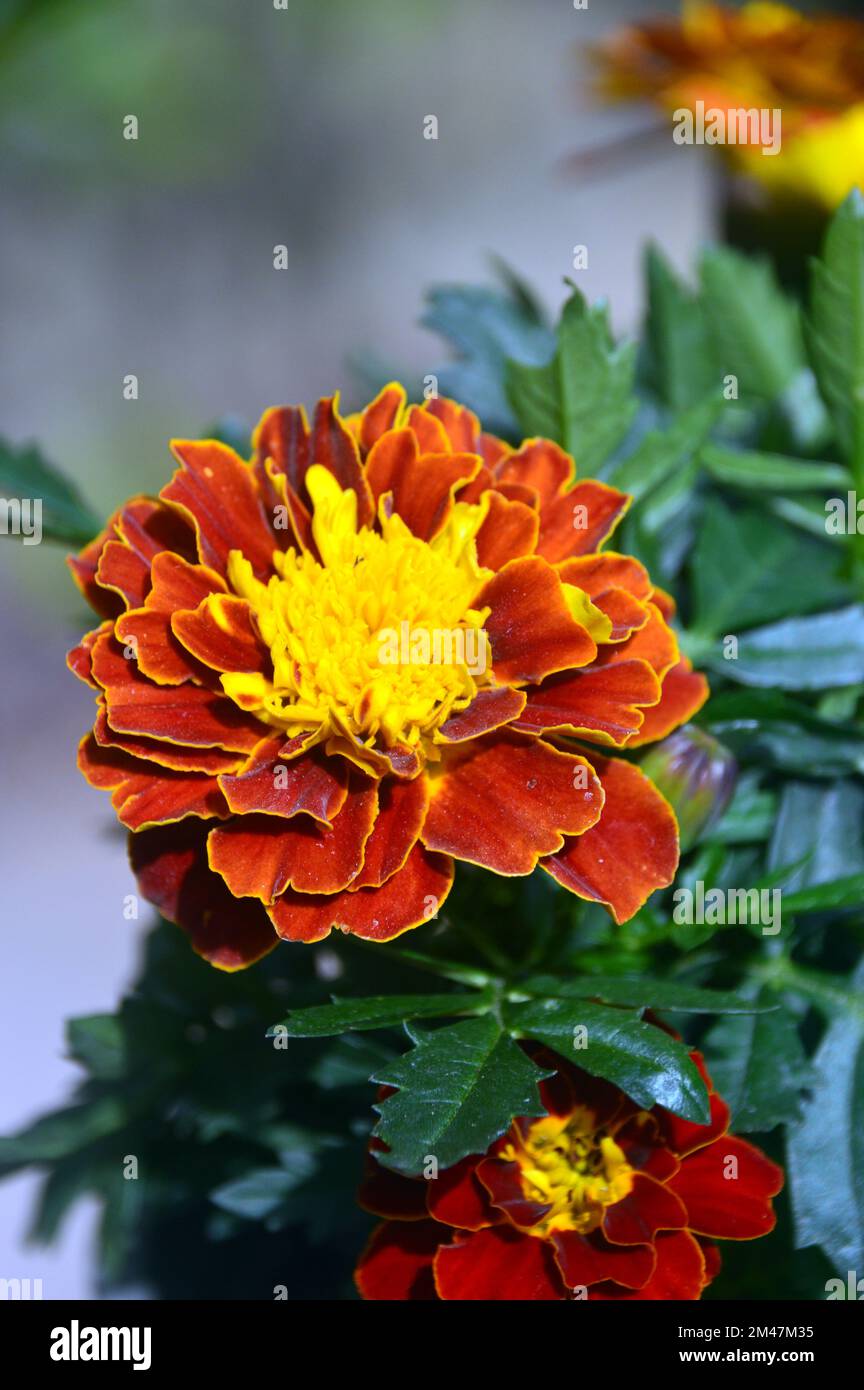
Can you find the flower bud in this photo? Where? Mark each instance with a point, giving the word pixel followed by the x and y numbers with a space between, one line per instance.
pixel 697 775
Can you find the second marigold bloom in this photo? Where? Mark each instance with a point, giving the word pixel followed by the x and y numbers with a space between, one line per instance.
pixel 325 674
pixel 596 1199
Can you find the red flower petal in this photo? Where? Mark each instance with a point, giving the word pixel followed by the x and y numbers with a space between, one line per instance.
pixel 123 571
pixel 174 755
pixel 539 464
pixel 648 1208
pixel 259 856
pixel 586 1260
pixel 381 414
pixel 221 633
pixel 80 659
pixel 280 786
pixel 389 1194
pixel 678 1274
pixel 655 642
pixel 216 492
pixel 684 1137
pixel 396 1265
pixel 578 522
pixel 332 444
pixel 176 584
pixel 422 484
pixel 171 867
pixel 144 794
pixel 461 424
pixel 431 435
pixel 503 1183
pixel 488 710
pixel 282 435
pixel 605 703
pixel 530 627
pixel 497 1265
pixel 509 530
pixel 683 694
pixel 180 714
pixel 456 1198
pixel 402 808
pixel 503 801
pixel 412 896
pixel 84 567
pixel 630 853
pixel 730 1200
pixel 150 528
pixel 598 574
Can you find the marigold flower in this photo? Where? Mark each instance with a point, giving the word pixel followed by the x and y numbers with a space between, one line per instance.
pixel 597 1197
pixel 763 56
pixel 325 674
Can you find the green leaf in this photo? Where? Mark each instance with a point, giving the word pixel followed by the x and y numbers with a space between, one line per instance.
pixel 758 472
pixel 754 327
pixel 749 568
pixel 661 453
pixel 827 897
pixel 749 817
pixel 583 397
pixel 639 991
pixel 260 1193
pixel 824 825
pixel 679 356
pixel 25 474
pixel 643 1060
pixel 60 1133
pixel 759 1066
pixel 826 1150
pixel 781 732
pixel 836 327
pixel 383 1011
pixel 485 327
pixel 98 1043
pixel 801 653
pixel 349 1062
pixel 459 1089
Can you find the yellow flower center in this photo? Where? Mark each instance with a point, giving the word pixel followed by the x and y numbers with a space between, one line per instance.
pixel 573 1167
pixel 379 640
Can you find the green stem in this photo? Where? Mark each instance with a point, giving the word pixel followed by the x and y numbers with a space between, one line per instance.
pixel 826 992
pixel 446 969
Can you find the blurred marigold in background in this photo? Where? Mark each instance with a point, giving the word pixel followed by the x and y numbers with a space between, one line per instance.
pixel 596 1199
pixel 326 673
pixel 765 57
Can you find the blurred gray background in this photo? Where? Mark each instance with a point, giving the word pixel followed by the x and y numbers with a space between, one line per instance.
pixel 257 126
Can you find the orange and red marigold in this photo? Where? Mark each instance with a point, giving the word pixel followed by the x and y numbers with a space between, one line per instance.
pixel 597 1199
pixel 326 673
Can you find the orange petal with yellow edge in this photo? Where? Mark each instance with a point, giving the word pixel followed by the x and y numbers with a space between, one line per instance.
pixel 266 783
pixel 217 493
pixel 629 853
pixel 683 694
pixel 170 865
pixel 186 714
pixel 530 627
pixel 579 521
pixel 509 530
pixel 604 702
pixel 412 896
pixel 259 856
pixel 504 801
